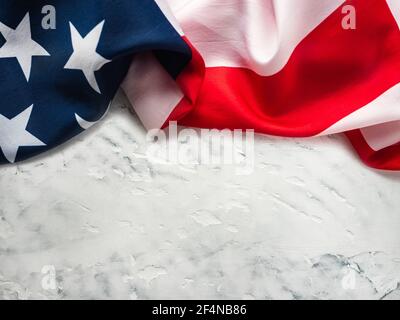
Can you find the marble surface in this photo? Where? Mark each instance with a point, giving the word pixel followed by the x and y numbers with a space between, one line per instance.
pixel 311 222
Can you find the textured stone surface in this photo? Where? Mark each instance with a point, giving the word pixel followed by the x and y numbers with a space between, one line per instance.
pixel 310 222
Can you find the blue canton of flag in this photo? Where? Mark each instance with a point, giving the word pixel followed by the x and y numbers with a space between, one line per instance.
pixel 57 81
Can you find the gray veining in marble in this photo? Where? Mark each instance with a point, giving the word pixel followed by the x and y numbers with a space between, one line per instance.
pixel 311 222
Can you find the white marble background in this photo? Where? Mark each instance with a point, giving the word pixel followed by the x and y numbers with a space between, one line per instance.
pixel 311 222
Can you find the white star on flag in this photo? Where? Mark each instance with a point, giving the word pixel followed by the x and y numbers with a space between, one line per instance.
pixel 19 45
pixel 85 57
pixel 13 134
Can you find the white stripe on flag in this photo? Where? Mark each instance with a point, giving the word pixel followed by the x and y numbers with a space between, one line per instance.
pixel 395 8
pixel 153 93
pixel 260 34
pixel 383 109
pixel 382 136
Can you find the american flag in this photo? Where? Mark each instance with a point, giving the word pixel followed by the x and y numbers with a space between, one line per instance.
pixel 297 68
